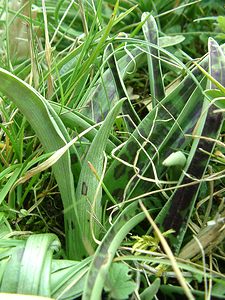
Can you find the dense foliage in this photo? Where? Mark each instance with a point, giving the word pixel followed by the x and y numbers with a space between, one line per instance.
pixel 112 149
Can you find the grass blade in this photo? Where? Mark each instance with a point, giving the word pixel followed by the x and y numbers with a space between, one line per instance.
pixel 7 187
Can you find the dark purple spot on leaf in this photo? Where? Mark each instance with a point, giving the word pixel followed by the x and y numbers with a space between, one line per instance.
pixel 84 189
pixel 119 171
pixel 73 158
pixel 143 133
pixel 72 225
pixel 118 193
pixel 132 148
pixel 130 173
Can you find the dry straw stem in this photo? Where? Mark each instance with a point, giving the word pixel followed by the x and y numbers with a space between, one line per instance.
pixel 83 17
pixel 169 253
pixel 52 159
pixel 156 192
pixel 176 8
pixel 18 29
pixel 48 51
pixel 209 238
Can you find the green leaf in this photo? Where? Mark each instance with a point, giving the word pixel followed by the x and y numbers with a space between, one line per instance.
pixel 102 94
pixel 219 288
pixel 181 105
pixel 52 134
pixel 177 211
pixel 168 41
pixel 221 23
pixel 29 266
pixel 214 93
pixel 89 193
pixel 154 65
pixel 99 268
pixel 119 283
pixel 150 292
pixel 217 96
pixel 127 108
pixel 8 185
pixel 175 159
pixel 68 277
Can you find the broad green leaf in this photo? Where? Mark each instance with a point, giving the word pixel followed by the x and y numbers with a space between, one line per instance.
pixel 214 93
pixel 151 291
pixel 88 192
pixel 154 65
pixel 176 213
pixel 168 41
pixel 119 284
pixel 29 267
pixel 9 282
pixel 102 94
pixel 52 134
pixel 68 277
pixel 219 288
pixel 127 108
pixel 217 97
pixel 34 272
pixel 128 219
pixel 158 135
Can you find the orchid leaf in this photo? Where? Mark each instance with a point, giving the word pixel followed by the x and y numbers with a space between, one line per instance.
pixel 176 213
pixel 154 65
pixel 52 134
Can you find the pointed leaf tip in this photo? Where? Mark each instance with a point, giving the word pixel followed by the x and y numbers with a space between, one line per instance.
pixel 175 159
